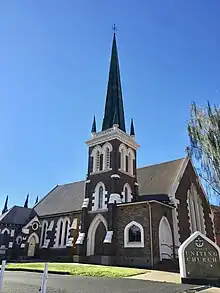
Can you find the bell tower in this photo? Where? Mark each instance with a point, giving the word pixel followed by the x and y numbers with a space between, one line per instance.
pixel 111 176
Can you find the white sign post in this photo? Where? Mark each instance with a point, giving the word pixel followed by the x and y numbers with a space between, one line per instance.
pixel 2 275
pixel 44 279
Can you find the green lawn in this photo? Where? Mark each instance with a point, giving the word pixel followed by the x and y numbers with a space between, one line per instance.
pixel 80 269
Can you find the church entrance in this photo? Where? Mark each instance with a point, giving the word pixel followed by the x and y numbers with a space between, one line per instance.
pixel 96 236
pixel 32 242
pixel 165 239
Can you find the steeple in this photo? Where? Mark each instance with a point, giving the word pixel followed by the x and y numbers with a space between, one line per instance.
pixel 132 133
pixel 26 201
pixel 93 126
pixel 114 102
pixel 5 209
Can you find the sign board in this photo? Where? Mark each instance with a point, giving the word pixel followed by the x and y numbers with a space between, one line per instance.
pixel 199 258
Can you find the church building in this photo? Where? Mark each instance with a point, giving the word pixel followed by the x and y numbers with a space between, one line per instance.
pixel 120 214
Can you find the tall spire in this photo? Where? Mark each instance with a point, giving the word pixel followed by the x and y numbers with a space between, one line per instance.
pixel 36 201
pixel 5 209
pixel 114 102
pixel 26 201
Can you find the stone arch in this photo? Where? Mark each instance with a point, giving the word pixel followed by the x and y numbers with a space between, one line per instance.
pixel 123 154
pixel 92 231
pixel 127 243
pixel 5 230
pixel 165 239
pixel 62 231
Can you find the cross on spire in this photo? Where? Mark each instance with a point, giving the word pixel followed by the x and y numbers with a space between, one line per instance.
pixel 114 28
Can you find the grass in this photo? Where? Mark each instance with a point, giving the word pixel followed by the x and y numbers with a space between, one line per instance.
pixel 80 269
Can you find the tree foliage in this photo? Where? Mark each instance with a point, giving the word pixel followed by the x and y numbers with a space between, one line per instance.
pixel 204 133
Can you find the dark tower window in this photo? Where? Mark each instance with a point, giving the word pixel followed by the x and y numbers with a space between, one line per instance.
pixel 126 163
pixel 107 160
pixel 101 162
pixel 97 161
pixel 134 234
pixel 100 199
pixel 126 194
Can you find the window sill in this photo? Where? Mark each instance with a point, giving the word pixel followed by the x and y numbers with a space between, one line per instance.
pixel 102 171
pixel 134 245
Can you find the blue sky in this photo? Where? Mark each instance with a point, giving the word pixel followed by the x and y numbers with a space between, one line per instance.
pixel 54 62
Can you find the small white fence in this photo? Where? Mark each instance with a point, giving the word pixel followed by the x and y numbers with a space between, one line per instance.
pixel 43 281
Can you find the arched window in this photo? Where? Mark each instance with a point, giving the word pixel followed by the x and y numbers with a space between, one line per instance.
pixel 123 151
pixel 127 193
pixel 60 233
pixel 134 235
pixel 107 158
pixel 100 199
pixel 196 214
pixel 66 233
pixel 5 238
pixel 43 232
pixel 98 161
pixel 130 162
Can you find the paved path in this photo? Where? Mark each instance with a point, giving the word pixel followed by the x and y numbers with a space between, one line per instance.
pixel 23 282
pixel 159 276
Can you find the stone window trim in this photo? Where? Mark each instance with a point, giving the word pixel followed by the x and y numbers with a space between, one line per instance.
pixel 195 211
pixel 105 150
pixel 127 197
pixel 5 230
pixel 19 240
pixel 126 153
pixel 95 201
pixel 35 236
pixel 60 233
pixel 35 226
pixel 43 236
pixel 128 244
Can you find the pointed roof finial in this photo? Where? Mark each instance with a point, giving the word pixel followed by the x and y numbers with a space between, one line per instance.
pixel 5 209
pixel 132 133
pixel 36 201
pixel 26 201
pixel 93 131
pixel 187 151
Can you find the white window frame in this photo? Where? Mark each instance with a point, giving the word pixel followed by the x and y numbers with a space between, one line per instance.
pixel 44 226
pixel 196 213
pixel 62 244
pixel 96 197
pixel 128 244
pixel 96 168
pixel 131 158
pixel 106 146
pixel 129 193
pixel 123 154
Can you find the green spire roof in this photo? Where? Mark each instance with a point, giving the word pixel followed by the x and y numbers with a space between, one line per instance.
pixel 114 109
pixel 132 133
pixel 26 201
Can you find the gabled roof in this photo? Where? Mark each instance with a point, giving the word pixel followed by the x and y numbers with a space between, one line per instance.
pixel 159 178
pixel 154 180
pixel 62 199
pixel 17 215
